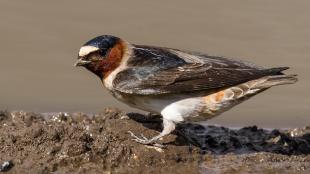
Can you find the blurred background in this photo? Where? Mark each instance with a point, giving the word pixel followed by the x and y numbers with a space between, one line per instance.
pixel 40 42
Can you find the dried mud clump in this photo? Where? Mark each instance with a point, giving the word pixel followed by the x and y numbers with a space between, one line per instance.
pixel 100 143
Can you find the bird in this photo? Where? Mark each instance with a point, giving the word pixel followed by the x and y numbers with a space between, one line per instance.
pixel 180 85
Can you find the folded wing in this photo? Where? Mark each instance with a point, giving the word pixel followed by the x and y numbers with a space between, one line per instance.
pixel 197 72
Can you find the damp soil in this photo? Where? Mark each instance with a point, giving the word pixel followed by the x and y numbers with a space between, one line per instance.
pixel 100 143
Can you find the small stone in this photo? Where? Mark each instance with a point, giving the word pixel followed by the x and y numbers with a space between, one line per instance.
pixel 60 117
pixel 6 166
pixel 125 117
pixel 274 140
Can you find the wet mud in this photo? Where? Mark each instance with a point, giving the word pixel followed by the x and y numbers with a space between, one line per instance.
pixel 100 143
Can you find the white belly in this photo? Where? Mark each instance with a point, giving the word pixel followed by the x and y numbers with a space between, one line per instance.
pixel 172 107
pixel 178 107
pixel 152 104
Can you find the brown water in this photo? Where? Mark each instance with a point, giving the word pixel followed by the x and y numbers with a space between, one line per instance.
pixel 40 41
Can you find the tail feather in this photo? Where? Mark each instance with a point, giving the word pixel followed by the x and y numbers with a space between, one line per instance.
pixel 276 71
pixel 275 80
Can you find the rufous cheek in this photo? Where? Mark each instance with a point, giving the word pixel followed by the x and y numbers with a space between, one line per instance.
pixel 113 59
pixel 116 53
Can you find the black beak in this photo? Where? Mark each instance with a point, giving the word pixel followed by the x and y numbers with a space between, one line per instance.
pixel 81 62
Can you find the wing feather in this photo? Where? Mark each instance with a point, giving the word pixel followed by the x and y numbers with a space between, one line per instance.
pixel 184 73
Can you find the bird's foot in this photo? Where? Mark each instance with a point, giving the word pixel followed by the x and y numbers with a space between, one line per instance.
pixel 150 114
pixel 146 141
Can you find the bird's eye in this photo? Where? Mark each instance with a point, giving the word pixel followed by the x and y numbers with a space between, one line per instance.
pixel 102 52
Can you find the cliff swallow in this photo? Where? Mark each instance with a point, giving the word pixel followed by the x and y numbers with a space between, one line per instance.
pixel 179 85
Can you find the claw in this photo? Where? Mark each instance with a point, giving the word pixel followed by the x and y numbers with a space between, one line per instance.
pixel 143 137
pixel 142 140
pixel 132 134
pixel 145 140
pixel 159 145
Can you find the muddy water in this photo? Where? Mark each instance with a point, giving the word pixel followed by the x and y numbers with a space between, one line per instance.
pixel 40 40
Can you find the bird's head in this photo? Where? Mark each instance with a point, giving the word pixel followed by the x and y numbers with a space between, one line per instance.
pixel 101 55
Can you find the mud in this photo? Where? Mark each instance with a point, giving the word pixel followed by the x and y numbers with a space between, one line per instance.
pixel 100 143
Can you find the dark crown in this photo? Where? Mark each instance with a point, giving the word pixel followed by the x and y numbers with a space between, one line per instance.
pixel 103 42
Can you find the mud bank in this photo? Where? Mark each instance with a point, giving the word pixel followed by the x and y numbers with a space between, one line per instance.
pixel 79 143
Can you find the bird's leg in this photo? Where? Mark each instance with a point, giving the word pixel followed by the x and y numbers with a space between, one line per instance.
pixel 151 114
pixel 169 126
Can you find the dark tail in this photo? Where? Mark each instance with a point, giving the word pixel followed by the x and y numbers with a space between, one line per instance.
pixel 276 71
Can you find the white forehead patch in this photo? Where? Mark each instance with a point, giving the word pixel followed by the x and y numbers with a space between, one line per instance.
pixel 85 50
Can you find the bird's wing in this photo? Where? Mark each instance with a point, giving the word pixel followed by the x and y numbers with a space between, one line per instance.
pixel 155 71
